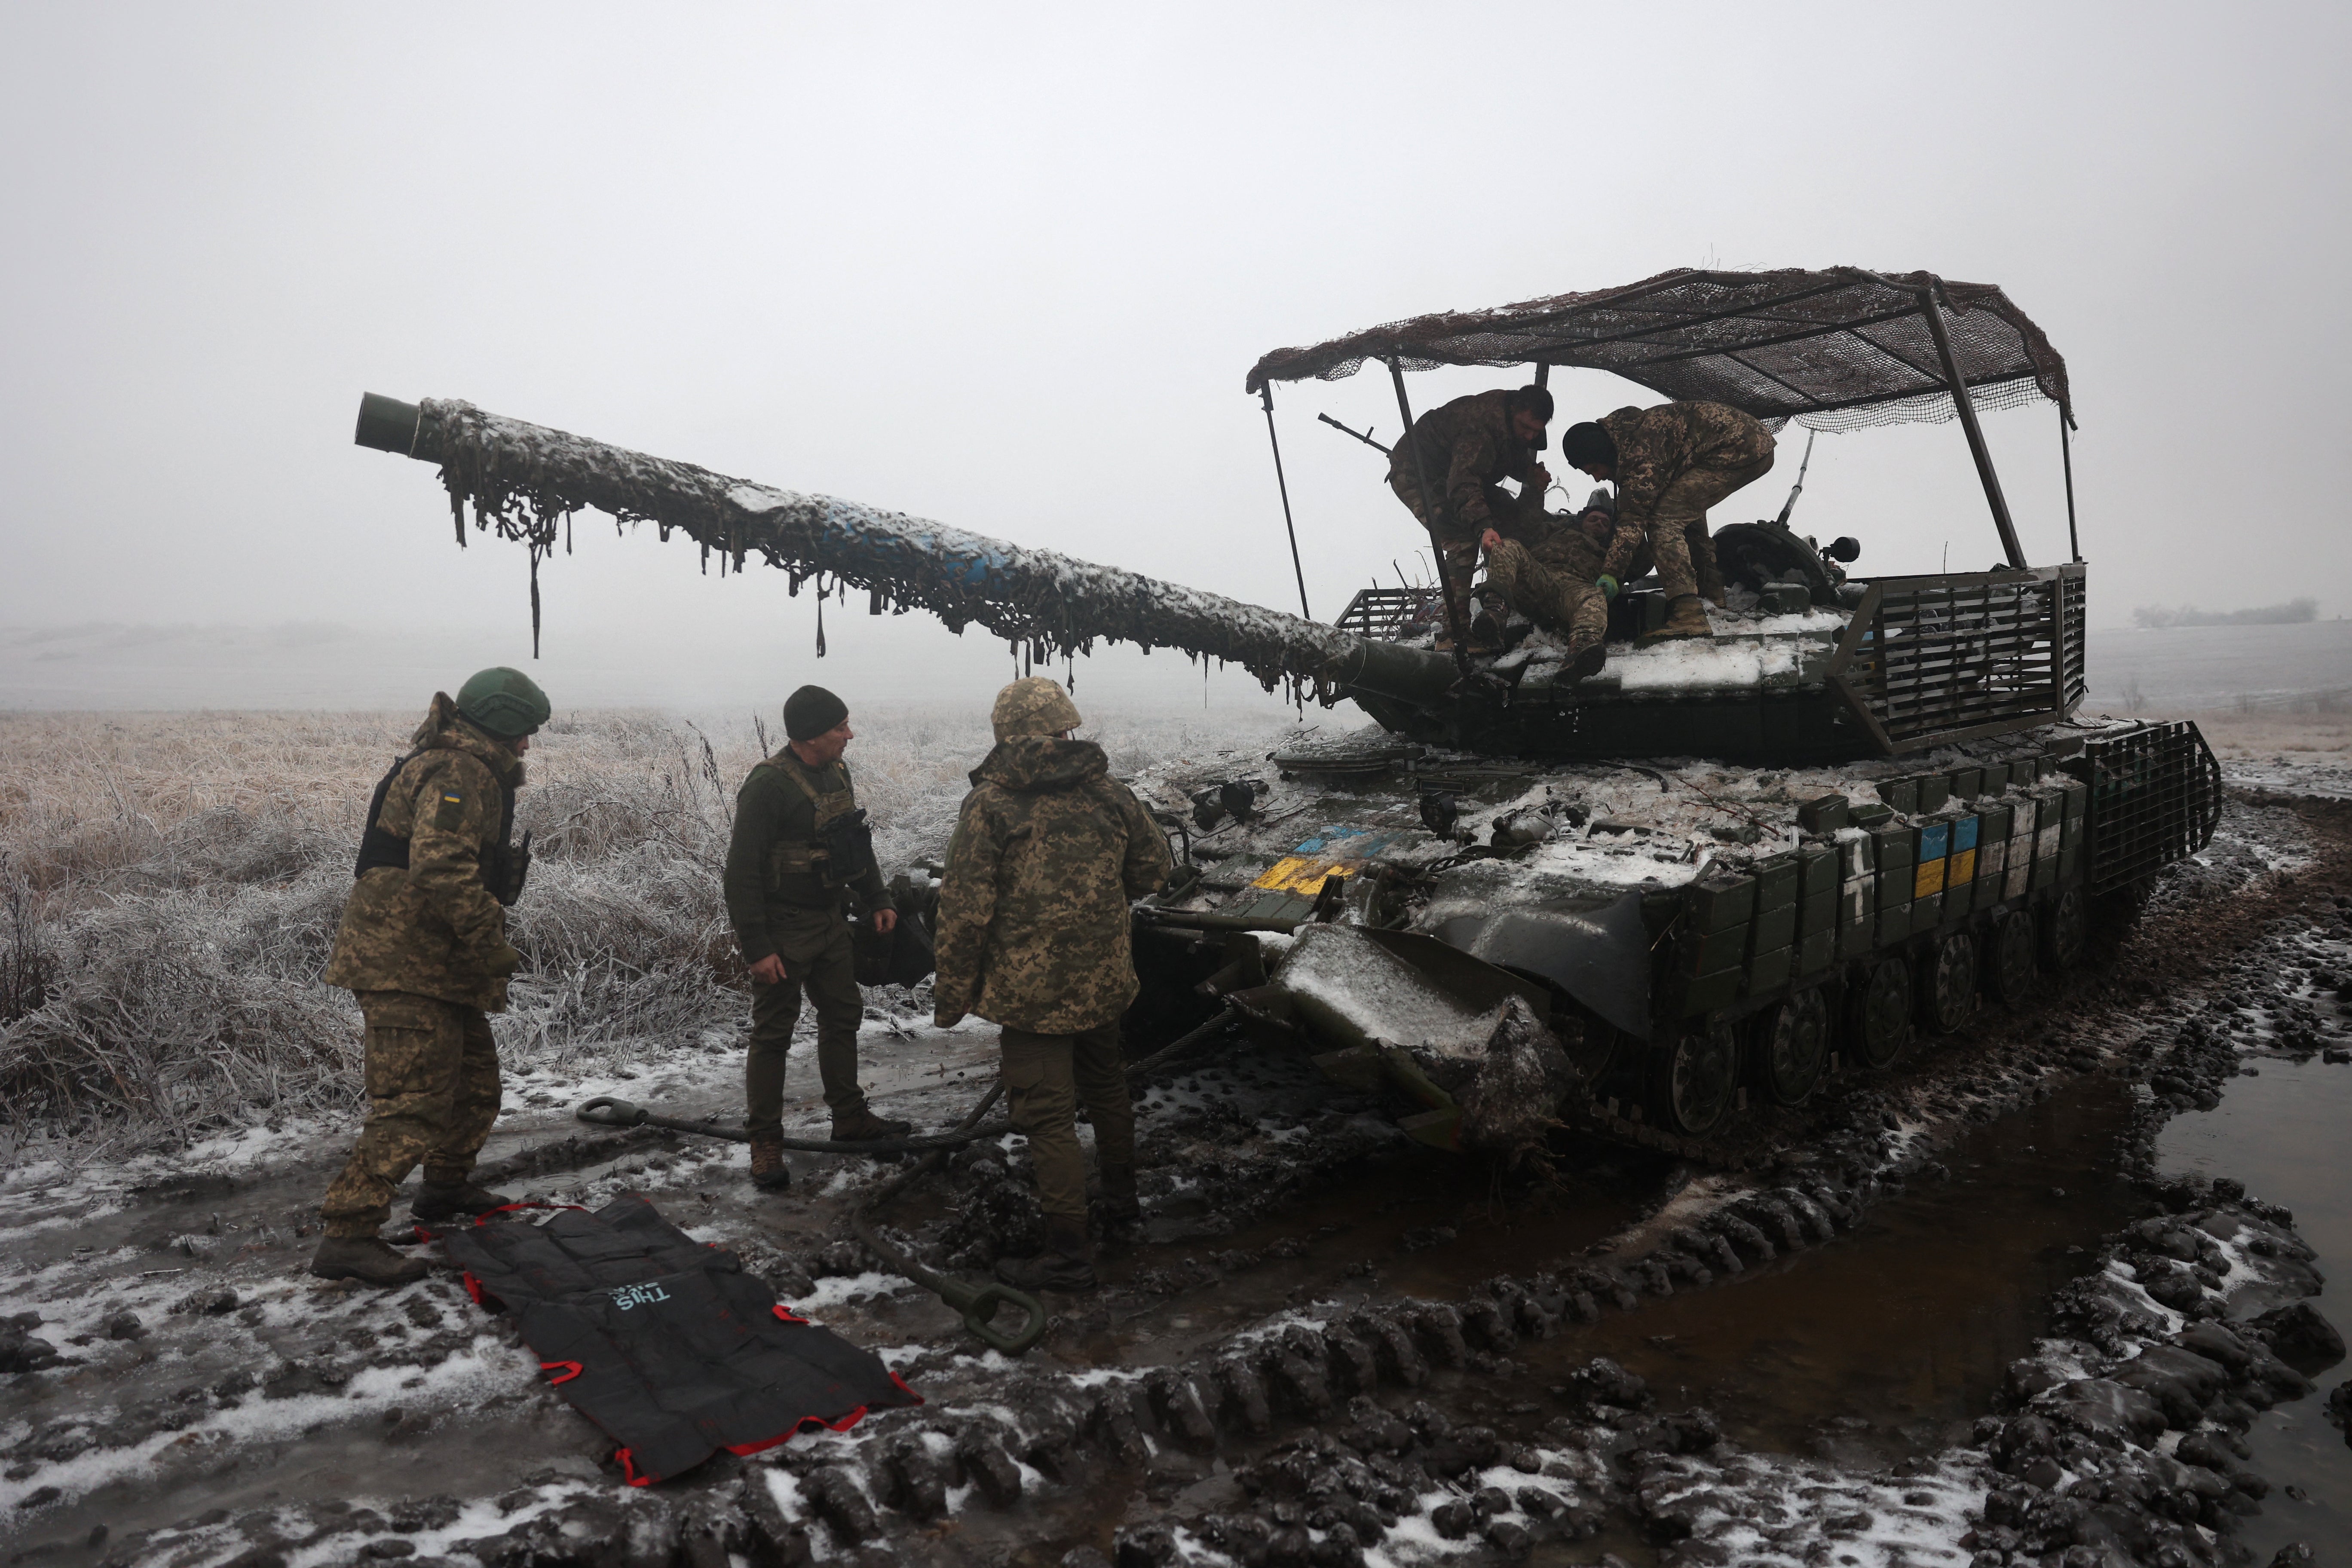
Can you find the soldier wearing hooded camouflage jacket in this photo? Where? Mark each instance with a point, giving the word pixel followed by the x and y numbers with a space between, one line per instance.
pixel 422 943
pixel 1670 464
pixel 1033 934
pixel 1467 447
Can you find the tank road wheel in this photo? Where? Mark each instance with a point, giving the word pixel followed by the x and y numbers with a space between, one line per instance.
pixel 1792 1047
pixel 2065 929
pixel 2013 957
pixel 1882 1013
pixel 1949 983
pixel 1696 1078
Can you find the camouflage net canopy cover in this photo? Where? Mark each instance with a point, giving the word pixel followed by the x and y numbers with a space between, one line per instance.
pixel 524 481
pixel 1833 350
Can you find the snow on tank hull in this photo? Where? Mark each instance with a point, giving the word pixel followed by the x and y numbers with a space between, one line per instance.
pixel 1698 939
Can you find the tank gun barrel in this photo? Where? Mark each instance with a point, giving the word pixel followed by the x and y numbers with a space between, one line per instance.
pixel 524 481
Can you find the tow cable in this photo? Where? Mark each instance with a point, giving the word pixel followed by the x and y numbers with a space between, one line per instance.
pixel 979 1304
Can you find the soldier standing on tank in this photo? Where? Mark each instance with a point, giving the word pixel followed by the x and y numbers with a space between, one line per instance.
pixel 1049 852
pixel 423 942
pixel 1469 447
pixel 800 859
pixel 1555 579
pixel 1671 463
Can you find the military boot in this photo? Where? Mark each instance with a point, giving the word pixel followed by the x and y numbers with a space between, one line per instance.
pixel 862 1126
pixel 1485 638
pixel 366 1258
pixel 767 1168
pixel 1067 1264
pixel 1122 1210
pixel 449 1200
pixel 1586 658
pixel 1709 572
pixel 1686 617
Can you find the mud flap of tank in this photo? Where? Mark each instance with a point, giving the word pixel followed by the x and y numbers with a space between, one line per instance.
pixel 1357 991
pixel 1600 956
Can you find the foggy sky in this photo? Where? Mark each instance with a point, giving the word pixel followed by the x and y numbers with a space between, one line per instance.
pixel 1006 267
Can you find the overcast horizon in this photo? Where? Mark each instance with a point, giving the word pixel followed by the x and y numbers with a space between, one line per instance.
pixel 1007 269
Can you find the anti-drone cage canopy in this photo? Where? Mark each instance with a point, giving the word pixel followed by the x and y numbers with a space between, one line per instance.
pixel 1837 348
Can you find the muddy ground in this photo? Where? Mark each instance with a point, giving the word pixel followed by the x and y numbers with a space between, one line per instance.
pixel 2032 1296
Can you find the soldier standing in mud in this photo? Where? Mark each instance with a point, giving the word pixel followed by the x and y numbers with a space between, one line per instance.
pixel 1555 578
pixel 422 943
pixel 1033 930
pixel 1671 463
pixel 1469 447
pixel 801 858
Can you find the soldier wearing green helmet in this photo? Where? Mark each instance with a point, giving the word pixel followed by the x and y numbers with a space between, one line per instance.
pixel 422 943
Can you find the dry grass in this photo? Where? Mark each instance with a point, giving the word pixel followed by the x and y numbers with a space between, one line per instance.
pixel 2315 728
pixel 170 883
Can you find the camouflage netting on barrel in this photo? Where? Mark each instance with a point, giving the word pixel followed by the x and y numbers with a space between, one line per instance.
pixel 524 481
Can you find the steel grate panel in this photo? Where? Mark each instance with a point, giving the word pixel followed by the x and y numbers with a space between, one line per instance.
pixel 1392 615
pixel 1939 656
pixel 2156 797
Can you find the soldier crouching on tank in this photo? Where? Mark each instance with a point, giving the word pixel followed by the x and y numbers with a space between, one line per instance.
pixel 1467 447
pixel 1555 579
pixel 1048 854
pixel 423 942
pixel 802 852
pixel 1671 463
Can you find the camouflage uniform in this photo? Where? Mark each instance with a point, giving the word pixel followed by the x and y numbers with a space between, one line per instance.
pixel 785 897
pixel 1553 581
pixel 427 952
pixel 1049 851
pixel 1674 462
pixel 1469 448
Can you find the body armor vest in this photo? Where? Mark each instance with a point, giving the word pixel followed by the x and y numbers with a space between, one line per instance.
pixel 504 866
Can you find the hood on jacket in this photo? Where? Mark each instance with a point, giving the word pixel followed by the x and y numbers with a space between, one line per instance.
pixel 1032 763
pixel 447 730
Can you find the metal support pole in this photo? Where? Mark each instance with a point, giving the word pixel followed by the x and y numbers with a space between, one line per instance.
pixel 1543 379
pixel 2066 451
pixel 1967 412
pixel 1266 392
pixel 1457 624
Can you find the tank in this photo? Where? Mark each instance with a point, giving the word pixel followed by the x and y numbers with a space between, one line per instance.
pixel 1701 941
pixel 1648 906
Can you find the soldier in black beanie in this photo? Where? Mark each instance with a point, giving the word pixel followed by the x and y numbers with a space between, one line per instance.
pixel 793 871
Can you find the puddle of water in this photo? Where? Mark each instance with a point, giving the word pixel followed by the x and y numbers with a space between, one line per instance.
pixel 2284 1135
pixel 1893 1340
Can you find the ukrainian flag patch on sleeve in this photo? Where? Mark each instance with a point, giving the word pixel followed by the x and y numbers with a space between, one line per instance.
pixel 451 814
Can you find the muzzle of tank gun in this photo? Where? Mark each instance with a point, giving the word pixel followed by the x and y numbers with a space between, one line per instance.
pixel 388 425
pixel 1391 669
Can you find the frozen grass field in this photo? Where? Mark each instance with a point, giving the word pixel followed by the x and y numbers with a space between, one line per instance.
pixel 170 883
